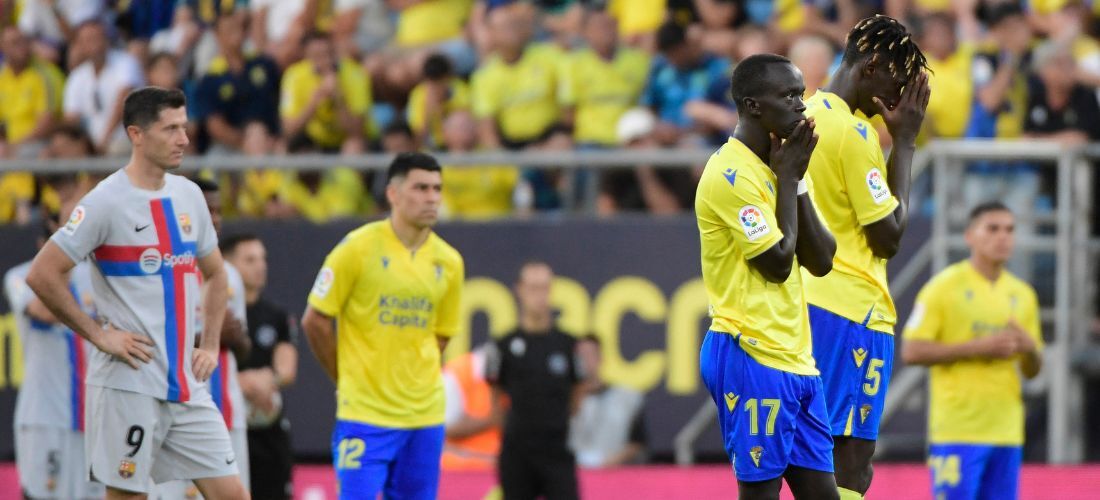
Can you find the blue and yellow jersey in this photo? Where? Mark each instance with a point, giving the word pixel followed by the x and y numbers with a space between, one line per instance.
pixel 735 207
pixel 390 304
pixel 978 400
pixel 601 91
pixel 849 174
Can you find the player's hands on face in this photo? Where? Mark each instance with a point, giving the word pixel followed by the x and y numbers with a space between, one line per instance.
pixel 904 121
pixel 790 158
pixel 130 347
pixel 203 363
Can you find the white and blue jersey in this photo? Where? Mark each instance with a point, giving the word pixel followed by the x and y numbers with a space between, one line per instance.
pixel 55 358
pixel 145 247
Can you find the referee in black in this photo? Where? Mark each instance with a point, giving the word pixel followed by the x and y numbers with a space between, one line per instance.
pixel 271 366
pixel 535 367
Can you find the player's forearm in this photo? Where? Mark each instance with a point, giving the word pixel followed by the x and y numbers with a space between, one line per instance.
pixel 899 177
pixel 992 95
pixel 320 335
pixel 295 124
pixel 816 245
pixel 786 214
pixel 630 453
pixel 214 305
pixel 467 426
pixel 53 291
pixel 927 353
pixel 285 363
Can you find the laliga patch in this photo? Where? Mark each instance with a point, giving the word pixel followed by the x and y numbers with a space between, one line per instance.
pixel 753 222
pixel 876 183
pixel 324 282
pixel 75 220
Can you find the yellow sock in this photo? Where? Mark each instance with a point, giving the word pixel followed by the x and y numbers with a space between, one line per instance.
pixel 846 494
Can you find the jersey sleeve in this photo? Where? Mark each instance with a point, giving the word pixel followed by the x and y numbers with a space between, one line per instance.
pixel 86 229
pixel 447 319
pixel 19 295
pixel 743 208
pixel 926 318
pixel 336 280
pixel 864 172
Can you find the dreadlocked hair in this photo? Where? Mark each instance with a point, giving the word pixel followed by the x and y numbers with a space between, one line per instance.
pixel 885 40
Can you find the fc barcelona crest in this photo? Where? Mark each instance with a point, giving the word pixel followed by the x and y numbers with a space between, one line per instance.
pixel 185 224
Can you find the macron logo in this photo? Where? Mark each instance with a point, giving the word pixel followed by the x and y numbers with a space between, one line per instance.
pixel 730 175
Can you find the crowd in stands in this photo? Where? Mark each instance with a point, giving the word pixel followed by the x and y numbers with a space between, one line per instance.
pixel 354 76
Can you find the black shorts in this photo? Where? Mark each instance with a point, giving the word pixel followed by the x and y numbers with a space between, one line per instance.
pixel 528 472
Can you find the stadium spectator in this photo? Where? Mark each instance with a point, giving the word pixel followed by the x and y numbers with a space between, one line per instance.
pixel 53 25
pixel 687 89
pixel 514 91
pixel 977 327
pixel 280 27
pixel 326 99
pixel 472 435
pixel 1059 108
pixel 718 20
pixel 425 27
pixel 152 26
pixel 474 192
pixel 660 191
pixel 30 90
pixel 361 27
pixel 608 429
pixel 814 56
pixel 535 367
pixel 237 100
pixel 59 193
pixel 599 83
pixel 95 90
pixel 1000 85
pixel 434 99
pixel 951 62
pixel 398 137
pixel 395 313
pixel 271 366
pixel 316 195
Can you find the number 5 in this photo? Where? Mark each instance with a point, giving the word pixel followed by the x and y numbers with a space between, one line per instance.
pixel 874 377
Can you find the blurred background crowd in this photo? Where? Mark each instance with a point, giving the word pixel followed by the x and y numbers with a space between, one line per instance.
pixel 357 76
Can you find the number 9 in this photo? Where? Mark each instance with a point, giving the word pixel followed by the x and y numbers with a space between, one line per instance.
pixel 134 438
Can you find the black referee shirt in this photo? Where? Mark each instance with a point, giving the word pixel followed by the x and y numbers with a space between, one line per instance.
pixel 538 373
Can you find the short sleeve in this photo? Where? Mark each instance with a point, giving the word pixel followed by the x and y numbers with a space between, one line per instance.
pixel 486 101
pixel 741 206
pixel 447 317
pixel 864 171
pixel 336 279
pixel 926 318
pixel 86 229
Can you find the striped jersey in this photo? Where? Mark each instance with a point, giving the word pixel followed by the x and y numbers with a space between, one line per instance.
pixel 145 247
pixel 225 389
pixel 54 358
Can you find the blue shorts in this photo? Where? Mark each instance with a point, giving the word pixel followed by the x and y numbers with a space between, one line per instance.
pixel 770 419
pixel 400 463
pixel 856 363
pixel 974 471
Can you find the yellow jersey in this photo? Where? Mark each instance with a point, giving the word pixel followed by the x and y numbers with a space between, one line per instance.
pixel 432 21
pixel 638 17
pixel 28 95
pixel 459 99
pixel 481 192
pixel 601 91
pixel 849 174
pixel 390 304
pixel 299 84
pixel 735 208
pixel 520 97
pixel 974 401
pixel 952 92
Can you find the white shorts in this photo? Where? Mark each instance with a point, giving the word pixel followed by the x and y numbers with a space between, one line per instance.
pixel 50 462
pixel 186 490
pixel 133 440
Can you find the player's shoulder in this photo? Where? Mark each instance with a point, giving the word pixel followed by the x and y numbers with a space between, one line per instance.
pixel 449 254
pixel 952 276
pixel 734 164
pixel 361 235
pixel 1017 285
pixel 107 191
